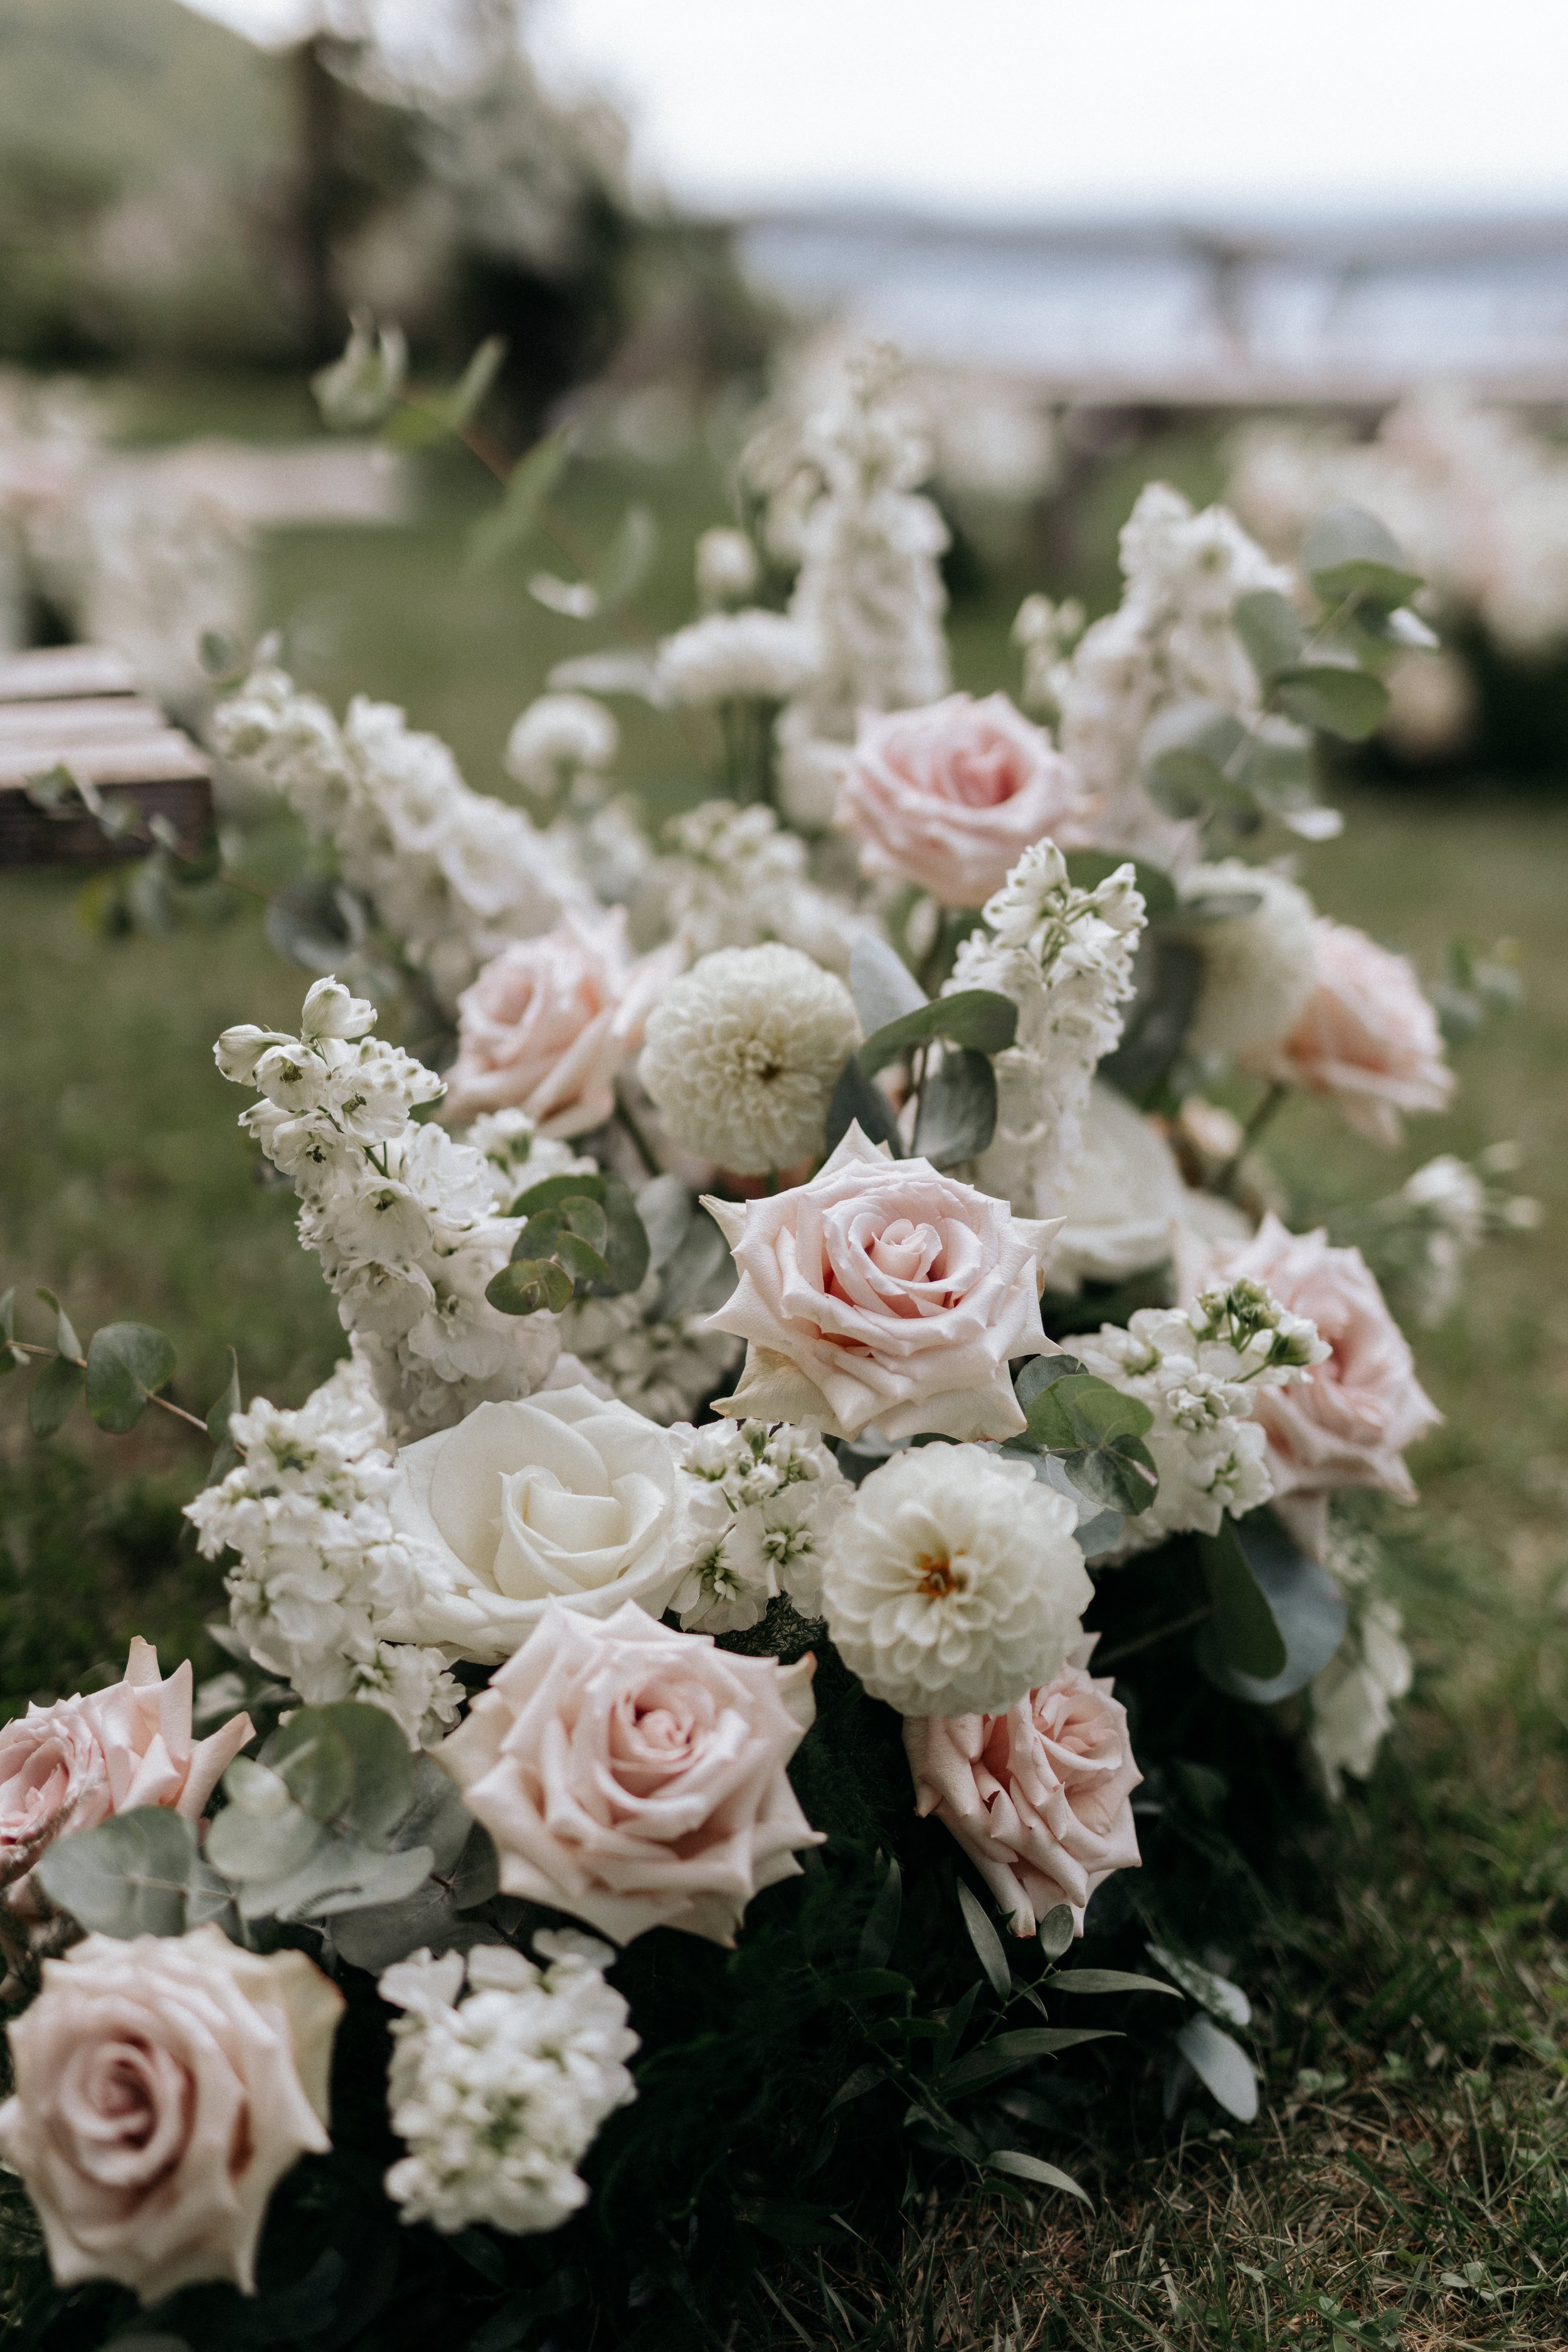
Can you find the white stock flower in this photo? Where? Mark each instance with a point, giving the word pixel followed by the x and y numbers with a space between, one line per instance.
pixel 500 2095
pixel 1064 956
pixel 735 878
pixel 665 1368
pixel 1197 1370
pixel 743 1052
pixel 750 657
pixel 954 1583
pixel 556 738
pixel 726 565
pixel 1258 965
pixel 765 1502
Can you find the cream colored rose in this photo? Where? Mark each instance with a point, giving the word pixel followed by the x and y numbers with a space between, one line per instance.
pixel 1347 1420
pixel 548 1023
pixel 563 1495
pixel 1367 1037
pixel 635 1776
pixel 69 1766
pixel 1038 1798
pixel 882 1292
pixel 163 2088
pixel 951 796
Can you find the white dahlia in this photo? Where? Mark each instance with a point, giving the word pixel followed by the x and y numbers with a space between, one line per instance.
pixel 954 1584
pixel 743 1052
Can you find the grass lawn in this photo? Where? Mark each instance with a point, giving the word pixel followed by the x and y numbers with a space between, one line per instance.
pixel 1405 2185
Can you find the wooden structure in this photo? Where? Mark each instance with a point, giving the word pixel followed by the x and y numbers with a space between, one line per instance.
pixel 76 707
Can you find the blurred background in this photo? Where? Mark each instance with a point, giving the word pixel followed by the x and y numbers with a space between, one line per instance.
pixel 1279 261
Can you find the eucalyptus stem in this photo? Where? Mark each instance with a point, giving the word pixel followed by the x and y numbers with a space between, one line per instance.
pixel 164 1404
pixel 1251 1131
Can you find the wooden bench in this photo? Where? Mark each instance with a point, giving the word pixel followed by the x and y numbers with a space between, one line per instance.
pixel 76 707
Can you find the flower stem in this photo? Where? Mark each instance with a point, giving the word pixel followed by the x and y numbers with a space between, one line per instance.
pixel 1250 1133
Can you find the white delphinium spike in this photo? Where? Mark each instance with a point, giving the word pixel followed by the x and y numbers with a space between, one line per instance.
pixel 500 2095
pixel 763 1505
pixel 1064 956
pixel 320 1566
pixel 454 875
pixel 1196 1369
pixel 402 1218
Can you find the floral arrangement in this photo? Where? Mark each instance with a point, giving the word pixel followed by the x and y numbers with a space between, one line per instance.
pixel 837 1461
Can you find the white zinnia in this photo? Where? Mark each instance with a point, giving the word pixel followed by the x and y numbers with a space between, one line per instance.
pixel 555 737
pixel 749 656
pixel 954 1583
pixel 743 1052
pixel 501 2096
pixel 1257 967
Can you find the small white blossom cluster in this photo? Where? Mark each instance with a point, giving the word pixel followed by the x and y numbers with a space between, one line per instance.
pixel 664 1367
pixel 1064 956
pixel 500 2095
pixel 558 739
pixel 519 1156
pixel 762 1505
pixel 733 879
pixel 320 1566
pixel 1197 1368
pixel 1171 641
pixel 749 656
pixel 454 875
pixel 402 1219
pixel 1424 1233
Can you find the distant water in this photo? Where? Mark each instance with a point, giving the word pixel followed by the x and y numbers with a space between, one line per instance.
pixel 1212 314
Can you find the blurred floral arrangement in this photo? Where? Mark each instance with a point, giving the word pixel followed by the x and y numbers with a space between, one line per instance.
pixel 837 1455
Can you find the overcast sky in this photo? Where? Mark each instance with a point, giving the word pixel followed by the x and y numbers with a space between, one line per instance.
pixel 1018 107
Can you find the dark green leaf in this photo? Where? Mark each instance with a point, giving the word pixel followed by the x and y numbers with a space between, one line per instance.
pixel 1036 2168
pixel 1088 868
pixel 1167 975
pixel 1344 702
pixel 1006 2051
pixel 529 1284
pixel 555 1191
pixel 126 1364
pixel 585 1218
pixel 316 923
pixel 1079 1408
pixel 878 1936
pixel 1043 1372
pixel 979 1018
pixel 126 1877
pixel 856 1098
pixel 856 2085
pixel 1307 1607
pixel 957 1113
pixel 1121 1476
pixel 530 483
pixel 866 1984
pixel 55 1390
pixel 1056 1930
pixel 1270 629
pixel 625 1247
pixel 1248 1640
pixel 581 1263
pixel 346 1763
pixel 1348 553
pixel 1107 1981
pixel 987 1943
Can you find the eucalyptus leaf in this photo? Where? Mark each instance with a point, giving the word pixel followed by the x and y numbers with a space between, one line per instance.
pixel 1348 553
pixel 1167 977
pixel 1344 702
pixel 437 1816
pixel 979 1018
pixel 529 1284
pixel 857 1100
pixel 1248 1640
pixel 700 1274
pixel 1270 629
pixel 346 1763
pixel 396 1877
pixel 1043 1372
pixel 529 484
pixel 884 988
pixel 1213 1992
pixel 987 1943
pixel 957 1113
pixel 66 1341
pixel 316 923
pixel 56 1387
pixel 1222 2066
pixel 581 1262
pixel 126 1877
pixel 1306 1604
pixel 127 1363
pixel 1035 2169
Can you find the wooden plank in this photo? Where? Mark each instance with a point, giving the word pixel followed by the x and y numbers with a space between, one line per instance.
pixel 48 672
pixel 105 718
pixel 156 756
pixel 30 835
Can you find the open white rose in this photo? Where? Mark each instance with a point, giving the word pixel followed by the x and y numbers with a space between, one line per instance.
pixel 559 1497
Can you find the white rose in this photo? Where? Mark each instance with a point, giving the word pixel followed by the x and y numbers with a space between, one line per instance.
pixel 559 1497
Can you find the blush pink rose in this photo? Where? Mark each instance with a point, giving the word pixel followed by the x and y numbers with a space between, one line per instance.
pixel 1038 1798
pixel 1367 1037
pixel 164 2086
pixel 1347 1420
pixel 548 1023
pixel 69 1766
pixel 635 1776
pixel 951 796
pixel 882 1291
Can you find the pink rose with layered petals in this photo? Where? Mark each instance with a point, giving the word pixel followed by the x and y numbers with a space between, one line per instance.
pixel 548 1023
pixel 1367 1037
pixel 635 1776
pixel 882 1291
pixel 951 796
pixel 1347 1420
pixel 164 2085
pixel 69 1766
pixel 1038 1798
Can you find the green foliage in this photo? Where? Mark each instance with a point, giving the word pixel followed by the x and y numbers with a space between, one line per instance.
pixel 128 1877
pixel 127 1363
pixel 976 1018
pixel 1279 1616
pixel 580 1231
pixel 1094 1429
pixel 421 424
pixel 530 483
pixel 856 1099
pixel 957 1113
pixel 1348 554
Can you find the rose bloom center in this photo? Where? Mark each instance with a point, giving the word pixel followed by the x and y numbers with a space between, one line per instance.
pixel 128 2106
pixel 984 777
pixel 908 1252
